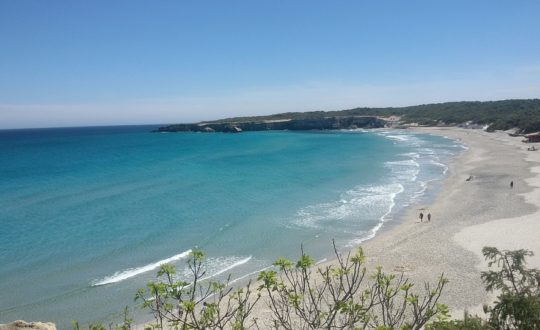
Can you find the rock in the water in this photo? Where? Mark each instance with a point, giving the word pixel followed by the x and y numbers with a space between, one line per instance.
pixel 22 325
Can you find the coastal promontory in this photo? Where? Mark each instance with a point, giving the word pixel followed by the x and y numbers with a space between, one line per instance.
pixel 522 115
pixel 335 122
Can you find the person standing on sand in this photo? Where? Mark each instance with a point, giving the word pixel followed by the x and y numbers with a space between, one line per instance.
pixel 429 217
pixel 421 216
pixel 511 184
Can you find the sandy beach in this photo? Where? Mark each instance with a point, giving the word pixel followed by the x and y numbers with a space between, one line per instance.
pixel 466 216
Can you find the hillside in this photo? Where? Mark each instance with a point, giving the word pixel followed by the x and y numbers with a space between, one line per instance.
pixel 498 115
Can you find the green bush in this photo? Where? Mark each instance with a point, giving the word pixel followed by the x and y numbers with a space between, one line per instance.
pixel 468 323
pixel 518 303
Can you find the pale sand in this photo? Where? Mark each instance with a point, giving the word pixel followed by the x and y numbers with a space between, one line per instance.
pixel 468 215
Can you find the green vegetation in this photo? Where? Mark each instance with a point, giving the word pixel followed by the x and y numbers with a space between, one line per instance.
pixel 499 115
pixel 340 297
pixel 298 296
pixel 196 304
pixel 303 296
pixel 518 302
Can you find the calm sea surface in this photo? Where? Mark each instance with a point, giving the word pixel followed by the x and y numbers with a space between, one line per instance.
pixel 87 214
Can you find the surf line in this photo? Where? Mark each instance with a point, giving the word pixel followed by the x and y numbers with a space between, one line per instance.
pixel 132 272
pixel 226 269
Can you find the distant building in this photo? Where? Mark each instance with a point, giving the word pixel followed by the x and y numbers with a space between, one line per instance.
pixel 533 137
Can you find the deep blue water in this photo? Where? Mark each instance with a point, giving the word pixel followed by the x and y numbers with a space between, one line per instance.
pixel 86 214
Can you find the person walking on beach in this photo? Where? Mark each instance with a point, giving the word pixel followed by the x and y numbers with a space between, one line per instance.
pixel 511 184
pixel 421 216
pixel 429 217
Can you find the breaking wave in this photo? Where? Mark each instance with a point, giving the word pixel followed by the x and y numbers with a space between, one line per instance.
pixel 132 272
pixel 222 265
pixel 370 202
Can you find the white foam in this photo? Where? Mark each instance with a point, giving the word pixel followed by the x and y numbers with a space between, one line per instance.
pixel 419 193
pixel 409 138
pixel 407 173
pixel 427 151
pixel 132 272
pixel 366 201
pixel 398 137
pixel 228 267
pixel 354 130
pixel 408 162
pixel 404 170
pixel 382 220
pixel 444 166
pixel 321 261
pixel 413 155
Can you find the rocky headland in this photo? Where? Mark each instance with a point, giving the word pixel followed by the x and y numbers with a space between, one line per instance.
pixel 327 123
pixel 521 115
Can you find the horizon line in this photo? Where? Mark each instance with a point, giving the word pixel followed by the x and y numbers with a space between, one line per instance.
pixel 272 114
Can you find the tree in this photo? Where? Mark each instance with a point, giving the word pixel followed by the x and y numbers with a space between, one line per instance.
pixel 518 302
pixel 467 323
pixel 197 303
pixel 337 297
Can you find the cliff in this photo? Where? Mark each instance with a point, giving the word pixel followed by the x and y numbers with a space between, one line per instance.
pixel 325 123
pixel 522 115
pixel 22 325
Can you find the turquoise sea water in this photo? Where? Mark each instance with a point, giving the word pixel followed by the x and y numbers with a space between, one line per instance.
pixel 87 214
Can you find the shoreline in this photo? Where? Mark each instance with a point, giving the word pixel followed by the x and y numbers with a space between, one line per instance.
pixel 467 215
pixel 387 229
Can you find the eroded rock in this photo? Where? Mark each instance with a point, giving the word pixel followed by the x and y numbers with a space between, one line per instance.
pixel 23 325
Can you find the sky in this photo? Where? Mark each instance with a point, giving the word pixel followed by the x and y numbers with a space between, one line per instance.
pixel 84 63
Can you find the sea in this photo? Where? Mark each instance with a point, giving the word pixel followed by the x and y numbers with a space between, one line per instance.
pixel 87 215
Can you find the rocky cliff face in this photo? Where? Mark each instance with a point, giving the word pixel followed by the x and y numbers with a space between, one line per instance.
pixel 22 325
pixel 285 124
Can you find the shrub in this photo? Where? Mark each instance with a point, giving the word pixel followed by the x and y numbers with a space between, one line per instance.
pixel 197 304
pixel 468 323
pixel 518 302
pixel 303 297
pixel 299 295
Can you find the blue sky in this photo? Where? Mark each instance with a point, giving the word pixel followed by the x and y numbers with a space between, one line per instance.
pixel 71 63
